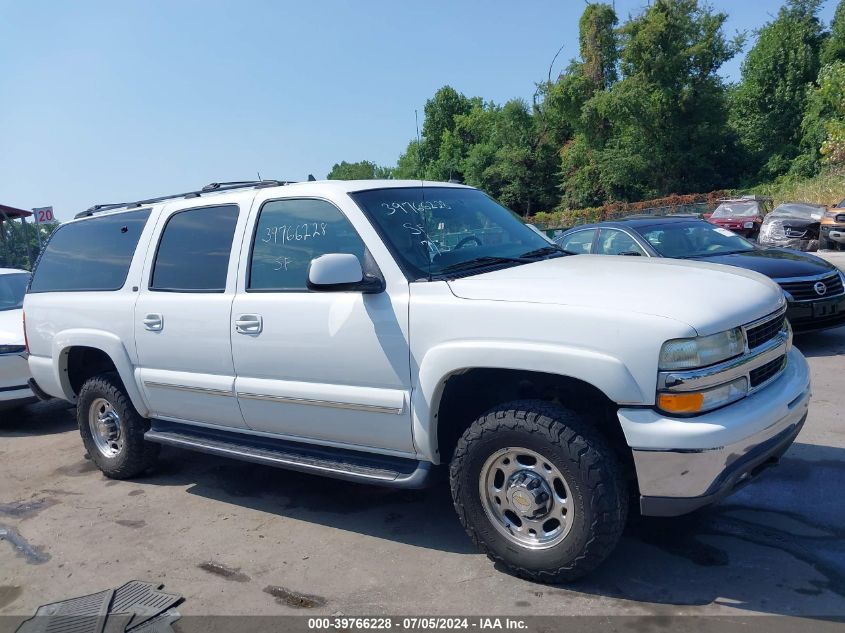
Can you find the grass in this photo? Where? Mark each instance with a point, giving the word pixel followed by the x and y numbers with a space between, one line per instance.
pixel 826 188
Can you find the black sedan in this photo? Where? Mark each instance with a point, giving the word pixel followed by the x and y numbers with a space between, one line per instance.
pixel 814 288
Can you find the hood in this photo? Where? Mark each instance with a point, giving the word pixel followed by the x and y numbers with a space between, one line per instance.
pixel 11 327
pixel 707 297
pixel 777 263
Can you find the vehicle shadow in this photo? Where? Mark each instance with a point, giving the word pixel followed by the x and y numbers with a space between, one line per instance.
pixel 777 546
pixel 825 343
pixel 423 518
pixel 40 418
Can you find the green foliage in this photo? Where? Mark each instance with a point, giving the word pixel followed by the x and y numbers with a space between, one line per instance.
pixel 768 105
pixel 823 116
pixel 19 242
pixel 825 188
pixel 362 170
pixel 663 127
pixel 834 47
pixel 598 45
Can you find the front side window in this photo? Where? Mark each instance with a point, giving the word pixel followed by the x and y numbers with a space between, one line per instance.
pixel 694 239
pixel 616 242
pixel 435 231
pixel 579 242
pixel 193 253
pixel 91 254
pixel 12 290
pixel 289 234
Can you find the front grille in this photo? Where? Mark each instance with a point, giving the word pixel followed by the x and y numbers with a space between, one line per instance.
pixel 764 332
pixel 806 290
pixel 765 372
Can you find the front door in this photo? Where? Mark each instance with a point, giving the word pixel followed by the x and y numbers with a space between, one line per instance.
pixel 183 314
pixel 330 367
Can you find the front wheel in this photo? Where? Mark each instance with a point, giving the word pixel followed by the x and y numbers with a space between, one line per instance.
pixel 538 490
pixel 112 430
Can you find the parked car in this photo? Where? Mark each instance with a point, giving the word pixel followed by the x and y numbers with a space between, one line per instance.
pixel 743 216
pixel 14 372
pixel 832 229
pixel 310 326
pixel 792 225
pixel 813 287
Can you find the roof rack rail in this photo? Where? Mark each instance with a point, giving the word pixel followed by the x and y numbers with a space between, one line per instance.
pixel 209 188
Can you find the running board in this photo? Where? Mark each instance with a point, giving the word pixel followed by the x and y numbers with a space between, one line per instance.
pixel 339 463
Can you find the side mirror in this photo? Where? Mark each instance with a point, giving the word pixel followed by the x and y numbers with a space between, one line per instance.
pixel 341 272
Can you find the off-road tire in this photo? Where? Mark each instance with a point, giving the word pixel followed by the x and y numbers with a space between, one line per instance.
pixel 825 244
pixel 579 451
pixel 136 455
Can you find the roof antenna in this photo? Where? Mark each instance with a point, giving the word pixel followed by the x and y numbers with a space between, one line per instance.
pixel 311 178
pixel 258 173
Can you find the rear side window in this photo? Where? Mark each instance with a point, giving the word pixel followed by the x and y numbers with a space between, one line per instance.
pixel 90 254
pixel 193 253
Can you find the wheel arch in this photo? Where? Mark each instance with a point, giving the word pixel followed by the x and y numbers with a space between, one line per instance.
pixel 82 354
pixel 460 381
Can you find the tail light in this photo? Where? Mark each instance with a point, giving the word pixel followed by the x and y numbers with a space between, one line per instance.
pixel 25 339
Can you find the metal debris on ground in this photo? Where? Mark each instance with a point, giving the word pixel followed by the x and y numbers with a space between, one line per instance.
pixel 139 607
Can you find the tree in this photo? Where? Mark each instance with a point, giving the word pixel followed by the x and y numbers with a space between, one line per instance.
pixel 598 45
pixel 362 170
pixel 662 128
pixel 768 105
pixel 834 47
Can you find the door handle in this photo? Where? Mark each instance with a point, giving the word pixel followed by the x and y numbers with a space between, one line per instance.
pixel 249 324
pixel 154 322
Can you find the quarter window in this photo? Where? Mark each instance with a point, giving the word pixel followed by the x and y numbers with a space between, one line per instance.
pixel 92 254
pixel 193 253
pixel 290 233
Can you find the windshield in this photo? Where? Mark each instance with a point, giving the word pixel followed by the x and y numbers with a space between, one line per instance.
pixel 736 210
pixel 434 231
pixel 12 290
pixel 799 211
pixel 694 239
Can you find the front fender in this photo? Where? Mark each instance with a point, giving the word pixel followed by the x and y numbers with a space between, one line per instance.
pixel 107 342
pixel 605 372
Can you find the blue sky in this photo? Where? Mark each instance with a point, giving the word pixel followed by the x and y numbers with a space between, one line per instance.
pixel 102 101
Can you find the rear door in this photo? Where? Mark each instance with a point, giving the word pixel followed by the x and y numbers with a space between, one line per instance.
pixel 183 312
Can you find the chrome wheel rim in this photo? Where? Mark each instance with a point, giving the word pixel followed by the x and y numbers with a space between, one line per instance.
pixel 106 428
pixel 526 498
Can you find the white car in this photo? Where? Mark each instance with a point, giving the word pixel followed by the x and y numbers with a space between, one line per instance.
pixel 311 326
pixel 14 372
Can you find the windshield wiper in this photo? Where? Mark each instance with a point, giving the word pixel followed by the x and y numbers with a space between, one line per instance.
pixel 480 262
pixel 546 250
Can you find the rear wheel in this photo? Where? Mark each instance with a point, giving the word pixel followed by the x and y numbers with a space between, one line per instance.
pixel 539 491
pixel 112 430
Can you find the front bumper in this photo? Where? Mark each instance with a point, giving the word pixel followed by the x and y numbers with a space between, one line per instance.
pixel 833 232
pixel 14 374
pixel 804 317
pixel 683 464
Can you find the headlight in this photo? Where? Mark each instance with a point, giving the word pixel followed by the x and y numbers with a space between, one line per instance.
pixel 830 215
pixel 748 225
pixel 12 349
pixel 706 400
pixel 691 353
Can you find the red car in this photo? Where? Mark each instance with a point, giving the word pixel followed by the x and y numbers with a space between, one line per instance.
pixel 743 216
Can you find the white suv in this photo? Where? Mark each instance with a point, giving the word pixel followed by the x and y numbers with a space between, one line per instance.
pixel 374 330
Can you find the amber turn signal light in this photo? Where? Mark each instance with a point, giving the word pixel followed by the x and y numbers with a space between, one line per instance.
pixel 681 402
